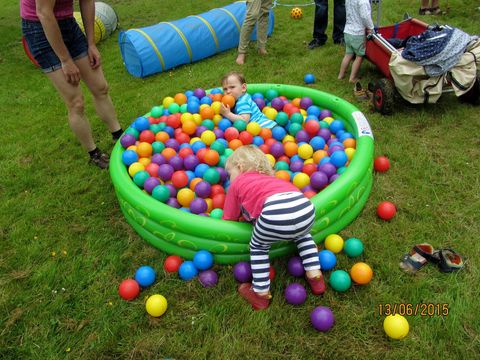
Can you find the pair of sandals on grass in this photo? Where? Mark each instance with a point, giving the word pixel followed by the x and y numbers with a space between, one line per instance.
pixel 447 260
pixel 360 93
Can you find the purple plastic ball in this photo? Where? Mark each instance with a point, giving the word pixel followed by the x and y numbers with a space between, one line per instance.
pixel 190 162
pixel 318 180
pixel 328 169
pixel 295 294
pixel 218 133
pixel 172 143
pixel 198 206
pixel 295 266
pixel 159 159
pixel 242 272
pixel 172 189
pixel 296 165
pixel 203 189
pixel 302 136
pixel 277 103
pixel 322 318
pixel 165 171
pixel 176 162
pixel 276 150
pixel 332 178
pixel 223 174
pixel 260 103
pixel 173 202
pixel 127 140
pixel 332 140
pixel 325 134
pixel 199 93
pixel 208 278
pixel 150 183
pixel 199 130
pixel 325 113
pixel 305 103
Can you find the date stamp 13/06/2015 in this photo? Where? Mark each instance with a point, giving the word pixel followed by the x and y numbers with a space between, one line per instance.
pixel 410 309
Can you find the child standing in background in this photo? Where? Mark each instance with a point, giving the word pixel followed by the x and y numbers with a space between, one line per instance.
pixel 359 23
pixel 278 211
pixel 245 108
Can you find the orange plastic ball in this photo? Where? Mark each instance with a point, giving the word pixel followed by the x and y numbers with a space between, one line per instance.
pixel 228 100
pixel 211 157
pixel 162 136
pixel 168 153
pixel 207 113
pixel 282 174
pixel 296 102
pixel 265 133
pixel 189 127
pixel 349 143
pixel 144 149
pixel 234 144
pixel 180 99
pixel 217 97
pixel 319 155
pixel 361 273
pixel 290 148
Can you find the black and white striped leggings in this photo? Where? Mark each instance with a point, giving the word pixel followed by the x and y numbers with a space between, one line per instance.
pixel 285 216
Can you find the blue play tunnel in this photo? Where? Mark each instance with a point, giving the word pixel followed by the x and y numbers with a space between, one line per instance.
pixel 165 45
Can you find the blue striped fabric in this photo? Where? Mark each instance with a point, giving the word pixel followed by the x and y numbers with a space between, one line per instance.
pixel 245 105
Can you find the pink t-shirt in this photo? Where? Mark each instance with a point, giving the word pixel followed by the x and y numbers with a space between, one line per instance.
pixel 63 9
pixel 248 192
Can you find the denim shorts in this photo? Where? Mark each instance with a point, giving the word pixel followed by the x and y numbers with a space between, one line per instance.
pixel 73 37
pixel 355 44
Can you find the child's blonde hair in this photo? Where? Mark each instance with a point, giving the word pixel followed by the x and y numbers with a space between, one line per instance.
pixel 249 158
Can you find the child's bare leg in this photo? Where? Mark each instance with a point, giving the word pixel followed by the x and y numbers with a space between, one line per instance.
pixel 355 69
pixel 344 65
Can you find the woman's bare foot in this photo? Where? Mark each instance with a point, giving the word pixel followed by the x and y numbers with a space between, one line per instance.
pixel 262 51
pixel 240 59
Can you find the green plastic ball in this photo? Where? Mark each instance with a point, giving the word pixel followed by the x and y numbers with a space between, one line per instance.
pixel 353 247
pixel 161 193
pixel 294 128
pixel 155 128
pixel 156 111
pixel 222 161
pixel 211 176
pixel 240 125
pixel 216 213
pixel 341 170
pixel 228 152
pixel 209 124
pixel 282 165
pixel 140 177
pixel 296 118
pixel 157 147
pixel 271 93
pixel 218 147
pixel 324 125
pixel 340 280
pixel 183 108
pixel 133 132
pixel 282 118
pixel 173 108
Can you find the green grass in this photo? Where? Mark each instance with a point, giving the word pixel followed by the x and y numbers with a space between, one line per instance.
pixel 52 201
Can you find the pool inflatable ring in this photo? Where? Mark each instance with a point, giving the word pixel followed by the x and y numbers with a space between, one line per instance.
pixel 176 232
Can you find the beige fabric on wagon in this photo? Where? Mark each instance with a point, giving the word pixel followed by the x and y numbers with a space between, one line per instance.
pixel 413 83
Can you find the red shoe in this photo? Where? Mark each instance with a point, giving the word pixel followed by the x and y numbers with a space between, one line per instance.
pixel 317 284
pixel 258 302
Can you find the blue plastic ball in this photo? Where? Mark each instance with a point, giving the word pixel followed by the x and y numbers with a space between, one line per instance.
pixel 206 100
pixel 309 79
pixel 338 158
pixel 129 157
pixel 216 91
pixel 224 124
pixel 257 96
pixel 317 143
pixel 200 170
pixel 328 260
pixel 141 123
pixel 193 107
pixel 278 133
pixel 187 270
pixel 203 260
pixel 145 276
pixel 336 125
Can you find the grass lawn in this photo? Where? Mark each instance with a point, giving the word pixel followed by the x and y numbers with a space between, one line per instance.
pixel 65 245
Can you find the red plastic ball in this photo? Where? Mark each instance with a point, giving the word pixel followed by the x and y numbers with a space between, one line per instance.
pixel 270 142
pixel 386 210
pixel 230 134
pixel 172 263
pixel 309 194
pixel 152 169
pixel 184 152
pixel 284 158
pixel 182 138
pixel 265 148
pixel 309 169
pixel 179 179
pixel 272 273
pixel 129 289
pixel 201 154
pixel 147 136
pixel 312 127
pixel 174 121
pixel 245 137
pixel 218 200
pixel 216 189
pixel 381 164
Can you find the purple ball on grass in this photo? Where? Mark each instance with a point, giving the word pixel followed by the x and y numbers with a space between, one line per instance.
pixel 208 278
pixel 295 294
pixel 242 272
pixel 322 318
pixel 295 266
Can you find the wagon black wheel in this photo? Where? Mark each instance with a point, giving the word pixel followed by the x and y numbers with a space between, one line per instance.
pixel 472 96
pixel 383 96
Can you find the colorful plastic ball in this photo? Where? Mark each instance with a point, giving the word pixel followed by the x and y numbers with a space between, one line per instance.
pixel 305 151
pixel 203 189
pixel 145 276
pixel 161 193
pixel 340 280
pixel 381 164
pixel 208 278
pixel 281 118
pixel 203 260
pixel 306 102
pixel 141 123
pixel 278 133
pixel 140 177
pixel 334 243
pixel 309 79
pixel 328 260
pixel 129 157
pixel 325 113
pixel 301 180
pixel 187 270
pixel 296 13
pixel 361 273
pixel 242 272
pixel 198 206
pixel 271 93
pixel 216 213
pixel 199 93
pixel 185 197
pixel 172 263
pixel 212 176
pixel 322 318
pixel 318 180
pixel 353 247
pixel 156 305
pixel 295 266
pixel 295 294
pixel 150 184
pixel 179 179
pixel 338 158
pixel 327 168
pixel 129 289
pixel 127 140
pixel 396 326
pixel 386 210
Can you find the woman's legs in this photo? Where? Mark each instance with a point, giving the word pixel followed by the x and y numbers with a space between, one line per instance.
pixel 262 26
pixel 251 17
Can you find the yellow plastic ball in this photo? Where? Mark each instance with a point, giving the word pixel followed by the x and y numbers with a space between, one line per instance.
pixel 254 128
pixel 216 106
pixel 216 118
pixel 308 161
pixel 304 113
pixel 134 168
pixel 271 159
pixel 167 101
pixel 156 305
pixel 328 120
pixel 271 113
pixel 194 140
pixel 350 152
pixel 288 138
pixel 209 202
pixel 301 180
pixel 185 196
pixel 396 326
pixel 186 117
pixel 208 137
pixel 145 161
pixel 203 106
pixel 305 151
pixel 334 243
pixel 132 147
pixel 197 119
pixel 296 13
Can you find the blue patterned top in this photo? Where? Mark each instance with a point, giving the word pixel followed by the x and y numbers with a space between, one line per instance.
pixel 245 105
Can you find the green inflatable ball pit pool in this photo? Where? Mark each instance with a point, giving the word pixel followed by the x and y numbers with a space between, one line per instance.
pixel 177 232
